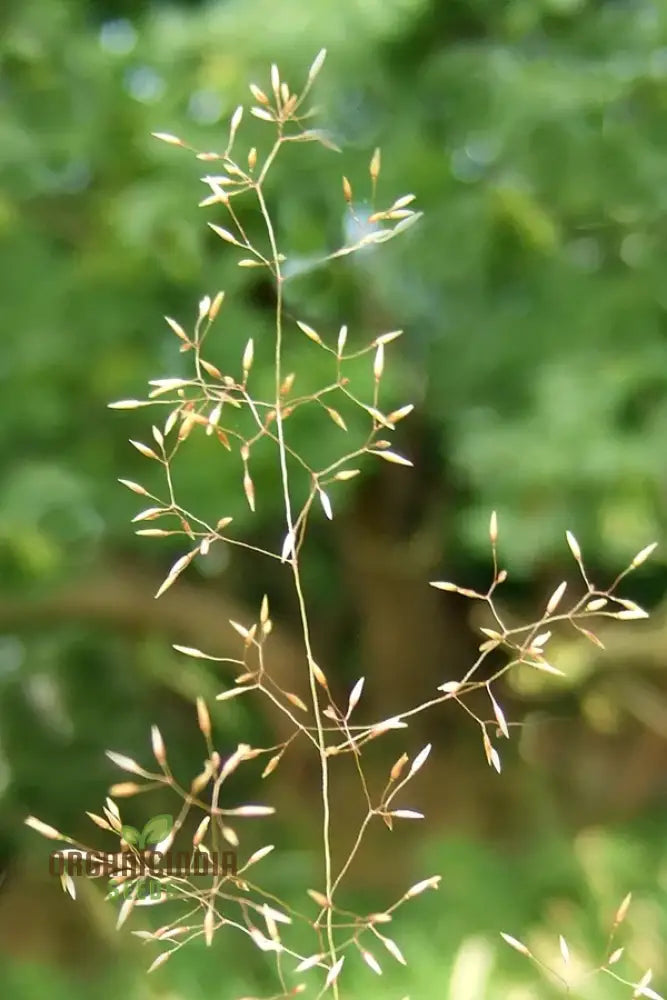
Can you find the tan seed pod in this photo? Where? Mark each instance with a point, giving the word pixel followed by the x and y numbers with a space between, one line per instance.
pixel 125 789
pixel 399 414
pixel 199 783
pixel 203 718
pixel 319 675
pixel 160 960
pixel 264 610
pixel 386 338
pixel 309 332
pixel 167 137
pixel 215 305
pixel 378 364
pixel 643 555
pixel 249 490
pixel 145 450
pixel 515 943
pixel 337 419
pixel 200 832
pixel 573 545
pixel 319 898
pixel 233 127
pixel 556 597
pixel 248 356
pixel 371 961
pixel 272 765
pixel 428 883
pixel 135 487
pixel 342 338
pixel 318 62
pixel 375 164
pixel 398 767
pixel 47 831
pixel 622 911
pixel 258 94
pixel 296 701
pixel 263 115
pixel 158 746
pixel 493 528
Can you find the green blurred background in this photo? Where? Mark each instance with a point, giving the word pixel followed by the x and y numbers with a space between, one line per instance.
pixel 534 299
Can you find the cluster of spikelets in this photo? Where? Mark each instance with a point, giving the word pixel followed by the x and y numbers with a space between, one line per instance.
pixel 219 405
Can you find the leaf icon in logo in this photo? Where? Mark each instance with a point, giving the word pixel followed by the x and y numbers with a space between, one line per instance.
pixel 156 829
pixel 131 835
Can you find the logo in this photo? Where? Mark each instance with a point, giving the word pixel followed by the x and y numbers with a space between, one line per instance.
pixel 142 872
pixel 156 830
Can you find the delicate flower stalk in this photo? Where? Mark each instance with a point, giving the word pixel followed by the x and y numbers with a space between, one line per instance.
pixel 214 404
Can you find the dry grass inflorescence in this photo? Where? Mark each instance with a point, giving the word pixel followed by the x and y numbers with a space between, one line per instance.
pixel 216 403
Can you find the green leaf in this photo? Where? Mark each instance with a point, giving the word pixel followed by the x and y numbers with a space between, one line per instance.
pixel 131 835
pixel 156 829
